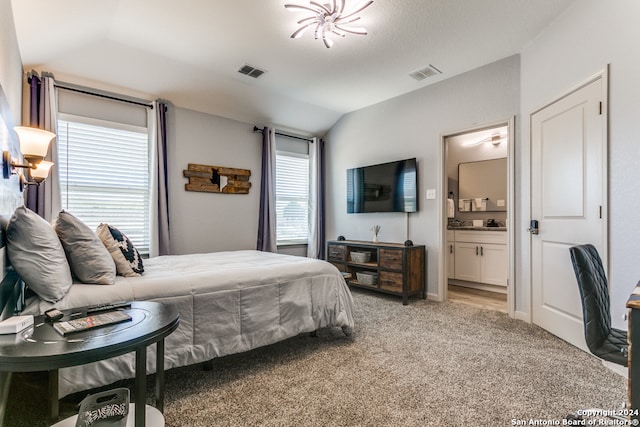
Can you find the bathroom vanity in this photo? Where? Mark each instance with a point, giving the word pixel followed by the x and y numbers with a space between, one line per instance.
pixel 479 255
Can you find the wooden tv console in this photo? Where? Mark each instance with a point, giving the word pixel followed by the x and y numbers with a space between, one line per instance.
pixel 401 270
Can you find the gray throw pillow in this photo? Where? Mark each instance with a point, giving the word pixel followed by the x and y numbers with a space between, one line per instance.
pixel 37 255
pixel 125 255
pixel 89 260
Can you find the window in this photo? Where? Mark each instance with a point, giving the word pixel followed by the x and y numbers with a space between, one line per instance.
pixel 292 198
pixel 104 175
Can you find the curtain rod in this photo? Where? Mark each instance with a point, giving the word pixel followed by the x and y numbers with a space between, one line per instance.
pixel 102 94
pixel 257 129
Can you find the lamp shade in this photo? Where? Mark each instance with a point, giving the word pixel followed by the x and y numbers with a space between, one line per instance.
pixel 34 142
pixel 41 172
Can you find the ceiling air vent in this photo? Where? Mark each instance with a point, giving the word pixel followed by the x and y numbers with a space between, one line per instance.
pixel 423 73
pixel 251 71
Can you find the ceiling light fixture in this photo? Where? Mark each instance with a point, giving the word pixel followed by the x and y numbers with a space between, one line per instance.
pixel 328 19
pixel 494 138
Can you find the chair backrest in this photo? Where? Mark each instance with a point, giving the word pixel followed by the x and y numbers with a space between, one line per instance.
pixel 594 292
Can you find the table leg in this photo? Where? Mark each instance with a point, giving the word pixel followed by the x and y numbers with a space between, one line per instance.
pixel 141 386
pixel 54 410
pixel 633 389
pixel 5 383
pixel 160 375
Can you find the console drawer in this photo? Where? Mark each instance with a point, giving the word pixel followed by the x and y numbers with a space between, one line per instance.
pixel 391 281
pixel 391 259
pixel 336 253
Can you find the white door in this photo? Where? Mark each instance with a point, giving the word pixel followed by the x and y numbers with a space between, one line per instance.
pixel 568 196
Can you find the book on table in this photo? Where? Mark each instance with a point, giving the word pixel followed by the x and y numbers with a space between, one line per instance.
pixel 91 322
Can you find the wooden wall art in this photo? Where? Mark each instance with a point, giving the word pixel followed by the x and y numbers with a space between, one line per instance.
pixel 206 179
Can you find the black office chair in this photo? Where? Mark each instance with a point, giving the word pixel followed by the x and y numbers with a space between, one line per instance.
pixel 602 340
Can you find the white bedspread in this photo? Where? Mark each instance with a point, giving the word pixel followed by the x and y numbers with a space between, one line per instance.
pixel 229 302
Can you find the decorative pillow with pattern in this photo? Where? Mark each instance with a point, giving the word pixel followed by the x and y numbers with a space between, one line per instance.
pixel 125 255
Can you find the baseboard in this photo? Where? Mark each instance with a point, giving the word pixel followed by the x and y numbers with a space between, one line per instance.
pixel 618 369
pixel 433 297
pixel 521 315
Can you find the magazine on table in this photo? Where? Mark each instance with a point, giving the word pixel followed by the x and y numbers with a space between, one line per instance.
pixel 90 322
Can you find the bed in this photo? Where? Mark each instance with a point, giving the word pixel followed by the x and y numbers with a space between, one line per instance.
pixel 229 302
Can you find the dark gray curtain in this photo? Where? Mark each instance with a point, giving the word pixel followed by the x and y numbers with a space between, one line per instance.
pixel 44 199
pixel 321 203
pixel 164 246
pixel 267 214
pixel 36 195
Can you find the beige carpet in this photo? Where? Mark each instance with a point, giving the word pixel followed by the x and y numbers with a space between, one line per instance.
pixel 425 364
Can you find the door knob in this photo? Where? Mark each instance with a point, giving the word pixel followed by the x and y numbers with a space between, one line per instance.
pixel 533 227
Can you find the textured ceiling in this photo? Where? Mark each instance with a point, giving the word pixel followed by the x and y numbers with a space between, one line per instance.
pixel 189 51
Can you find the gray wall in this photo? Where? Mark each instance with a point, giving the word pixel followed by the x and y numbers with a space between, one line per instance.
pixel 207 222
pixel 412 125
pixel 587 37
pixel 457 152
pixel 10 109
pixel 10 61
pixel 10 103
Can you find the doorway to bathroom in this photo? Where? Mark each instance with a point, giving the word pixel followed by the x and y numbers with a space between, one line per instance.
pixel 477 215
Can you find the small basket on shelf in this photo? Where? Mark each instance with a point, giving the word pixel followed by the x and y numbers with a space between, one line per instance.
pixel 360 257
pixel 367 278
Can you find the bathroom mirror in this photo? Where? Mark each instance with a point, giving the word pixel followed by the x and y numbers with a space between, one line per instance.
pixel 486 179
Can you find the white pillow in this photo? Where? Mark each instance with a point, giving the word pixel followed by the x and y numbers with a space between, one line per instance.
pixel 126 256
pixel 88 258
pixel 37 255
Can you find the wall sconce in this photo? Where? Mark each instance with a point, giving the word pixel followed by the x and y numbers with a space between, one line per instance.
pixel 34 144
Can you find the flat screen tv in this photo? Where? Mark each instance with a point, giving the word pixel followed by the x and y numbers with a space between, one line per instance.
pixel 385 187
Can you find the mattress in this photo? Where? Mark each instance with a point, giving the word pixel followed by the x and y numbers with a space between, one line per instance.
pixel 229 302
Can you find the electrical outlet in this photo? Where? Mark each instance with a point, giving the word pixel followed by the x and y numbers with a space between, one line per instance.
pixel 431 194
pixel 500 203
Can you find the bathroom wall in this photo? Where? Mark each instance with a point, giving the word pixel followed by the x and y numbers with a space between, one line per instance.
pixel 466 147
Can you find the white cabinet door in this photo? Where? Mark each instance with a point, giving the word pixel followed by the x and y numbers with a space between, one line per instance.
pixel 481 256
pixel 493 266
pixel 467 265
pixel 451 260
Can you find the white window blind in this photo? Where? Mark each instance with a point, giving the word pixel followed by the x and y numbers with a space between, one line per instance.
pixel 104 175
pixel 292 198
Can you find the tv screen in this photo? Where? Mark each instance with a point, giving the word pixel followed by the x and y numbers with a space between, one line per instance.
pixel 386 187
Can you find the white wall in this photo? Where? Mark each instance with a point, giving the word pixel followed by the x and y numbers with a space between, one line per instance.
pixel 10 110
pixel 458 151
pixel 10 105
pixel 206 222
pixel 587 37
pixel 10 61
pixel 412 125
